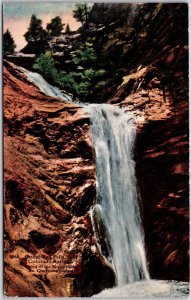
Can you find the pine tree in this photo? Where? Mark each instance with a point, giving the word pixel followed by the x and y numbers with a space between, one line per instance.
pixel 81 13
pixel 35 31
pixel 55 27
pixel 8 43
pixel 67 30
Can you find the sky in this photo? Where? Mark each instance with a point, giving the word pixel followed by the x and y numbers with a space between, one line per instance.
pixel 16 17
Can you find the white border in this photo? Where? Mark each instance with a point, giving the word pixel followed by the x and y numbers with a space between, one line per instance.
pixel 1 137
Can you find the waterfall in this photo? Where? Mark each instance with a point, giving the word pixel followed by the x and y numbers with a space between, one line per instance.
pixel 116 216
pixel 44 86
pixel 113 133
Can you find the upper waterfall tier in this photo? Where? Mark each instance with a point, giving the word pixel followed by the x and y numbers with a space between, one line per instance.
pixel 45 87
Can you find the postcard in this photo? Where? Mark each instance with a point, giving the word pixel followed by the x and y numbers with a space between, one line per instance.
pixel 96 149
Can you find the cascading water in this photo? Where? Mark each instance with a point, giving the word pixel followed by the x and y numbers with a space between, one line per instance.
pixel 113 133
pixel 116 216
pixel 44 86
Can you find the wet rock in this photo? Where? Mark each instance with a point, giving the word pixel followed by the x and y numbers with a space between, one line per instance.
pixel 47 195
pixel 95 275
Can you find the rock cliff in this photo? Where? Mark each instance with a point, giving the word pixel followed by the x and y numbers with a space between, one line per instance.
pixel 49 183
pixel 156 90
pixel 162 155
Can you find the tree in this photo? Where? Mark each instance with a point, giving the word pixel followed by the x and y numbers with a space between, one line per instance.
pixel 35 31
pixel 81 13
pixel 46 65
pixel 8 43
pixel 85 55
pixel 67 30
pixel 55 27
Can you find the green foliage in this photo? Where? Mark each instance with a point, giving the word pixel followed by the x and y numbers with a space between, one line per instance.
pixel 101 84
pixel 119 41
pixel 35 31
pixel 55 27
pixel 85 54
pixel 79 83
pixel 46 66
pixel 83 91
pixel 81 13
pixel 92 73
pixel 8 43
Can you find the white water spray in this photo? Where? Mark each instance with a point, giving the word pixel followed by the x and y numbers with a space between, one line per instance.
pixel 113 133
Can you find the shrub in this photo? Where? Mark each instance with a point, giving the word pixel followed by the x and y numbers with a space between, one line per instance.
pixel 46 66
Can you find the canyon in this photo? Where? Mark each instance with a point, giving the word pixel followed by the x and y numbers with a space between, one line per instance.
pixel 50 166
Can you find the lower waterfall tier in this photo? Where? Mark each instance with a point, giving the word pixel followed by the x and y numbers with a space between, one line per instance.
pixel 113 133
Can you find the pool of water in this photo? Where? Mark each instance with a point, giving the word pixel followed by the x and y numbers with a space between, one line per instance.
pixel 150 288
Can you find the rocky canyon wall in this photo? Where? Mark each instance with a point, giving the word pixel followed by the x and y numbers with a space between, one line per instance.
pixel 162 168
pixel 156 90
pixel 49 187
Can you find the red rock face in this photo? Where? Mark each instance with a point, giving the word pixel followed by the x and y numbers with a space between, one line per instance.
pixel 158 97
pixel 49 187
pixel 162 172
